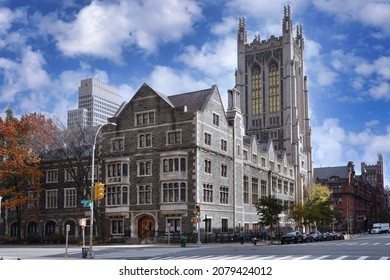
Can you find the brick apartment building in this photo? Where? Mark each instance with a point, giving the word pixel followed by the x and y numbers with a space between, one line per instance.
pixel 358 199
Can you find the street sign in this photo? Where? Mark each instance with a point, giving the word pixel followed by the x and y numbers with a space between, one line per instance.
pixel 86 203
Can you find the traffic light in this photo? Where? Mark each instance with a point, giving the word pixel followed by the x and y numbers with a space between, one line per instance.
pixel 99 191
pixel 197 211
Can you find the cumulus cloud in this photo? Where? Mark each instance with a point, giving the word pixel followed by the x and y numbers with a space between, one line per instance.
pixel 212 58
pixel 380 91
pixel 28 74
pixel 340 145
pixel 105 29
pixel 179 81
pixel 375 13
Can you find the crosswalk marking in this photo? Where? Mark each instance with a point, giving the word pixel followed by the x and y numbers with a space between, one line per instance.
pixel 303 257
pixel 283 258
pixel 322 257
pixel 266 257
pixel 273 257
pixel 341 257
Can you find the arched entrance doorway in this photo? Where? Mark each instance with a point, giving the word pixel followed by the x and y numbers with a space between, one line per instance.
pixel 146 227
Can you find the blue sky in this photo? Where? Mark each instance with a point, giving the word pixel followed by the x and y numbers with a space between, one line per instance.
pixel 48 46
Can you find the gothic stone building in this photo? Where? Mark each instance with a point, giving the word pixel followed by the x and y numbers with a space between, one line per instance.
pixel 274 96
pixel 184 151
pixel 165 156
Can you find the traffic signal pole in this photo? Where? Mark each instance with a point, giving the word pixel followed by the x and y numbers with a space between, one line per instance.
pixel 198 224
pixel 90 254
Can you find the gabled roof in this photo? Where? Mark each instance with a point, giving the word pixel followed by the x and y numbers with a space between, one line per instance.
pixel 194 101
pixel 324 173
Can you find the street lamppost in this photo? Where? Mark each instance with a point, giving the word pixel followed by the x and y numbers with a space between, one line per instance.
pixel 90 254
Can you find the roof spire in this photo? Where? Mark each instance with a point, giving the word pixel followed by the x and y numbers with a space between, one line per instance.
pixel 287 23
pixel 242 35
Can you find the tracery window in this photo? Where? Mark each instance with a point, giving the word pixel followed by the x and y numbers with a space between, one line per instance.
pixel 274 88
pixel 257 92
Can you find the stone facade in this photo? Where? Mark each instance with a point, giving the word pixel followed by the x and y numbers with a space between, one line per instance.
pixel 165 156
pixel 274 96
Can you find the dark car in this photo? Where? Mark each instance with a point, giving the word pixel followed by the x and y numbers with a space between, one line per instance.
pixel 307 237
pixel 326 236
pixel 292 237
pixel 338 235
pixel 317 236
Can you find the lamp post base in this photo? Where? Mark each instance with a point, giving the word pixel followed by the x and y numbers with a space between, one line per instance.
pixel 90 254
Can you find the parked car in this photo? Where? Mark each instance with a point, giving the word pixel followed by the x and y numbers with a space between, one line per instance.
pixel 292 237
pixel 341 236
pixel 333 235
pixel 317 236
pixel 307 237
pixel 338 235
pixel 326 236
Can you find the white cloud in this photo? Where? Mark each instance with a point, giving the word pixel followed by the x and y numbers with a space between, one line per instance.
pixel 213 58
pixel 227 25
pixel 380 91
pixel 105 29
pixel 332 144
pixel 382 66
pixel 127 92
pixel 319 73
pixel 371 123
pixel 340 146
pixel 375 13
pixel 28 74
pixel 8 17
pixel 364 69
pixel 179 81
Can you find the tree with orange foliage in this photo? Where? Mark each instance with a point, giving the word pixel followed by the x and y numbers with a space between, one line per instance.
pixel 22 141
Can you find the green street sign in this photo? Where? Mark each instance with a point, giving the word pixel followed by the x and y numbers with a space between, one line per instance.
pixel 86 203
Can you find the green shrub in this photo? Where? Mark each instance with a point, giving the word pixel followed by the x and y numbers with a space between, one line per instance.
pixel 33 238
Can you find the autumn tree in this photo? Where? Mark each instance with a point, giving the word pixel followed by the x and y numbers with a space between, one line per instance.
pixel 22 142
pixel 316 209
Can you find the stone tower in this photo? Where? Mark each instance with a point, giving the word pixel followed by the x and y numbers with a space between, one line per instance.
pixel 274 97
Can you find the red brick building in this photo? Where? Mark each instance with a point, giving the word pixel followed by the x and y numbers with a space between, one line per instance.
pixel 358 199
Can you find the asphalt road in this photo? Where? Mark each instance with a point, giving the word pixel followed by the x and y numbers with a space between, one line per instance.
pixel 363 247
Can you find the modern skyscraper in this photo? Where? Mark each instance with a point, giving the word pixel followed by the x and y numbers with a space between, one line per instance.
pixel 97 101
pixel 274 97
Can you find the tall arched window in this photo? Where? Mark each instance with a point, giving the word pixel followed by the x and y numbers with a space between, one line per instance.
pixel 274 88
pixel 257 92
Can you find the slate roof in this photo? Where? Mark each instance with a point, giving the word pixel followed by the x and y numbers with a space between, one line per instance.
pixel 193 100
pixel 324 173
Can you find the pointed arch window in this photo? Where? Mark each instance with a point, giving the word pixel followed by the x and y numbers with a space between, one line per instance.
pixel 274 88
pixel 257 91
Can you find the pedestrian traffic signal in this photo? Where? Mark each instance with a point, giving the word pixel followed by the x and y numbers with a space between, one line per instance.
pixel 99 191
pixel 197 211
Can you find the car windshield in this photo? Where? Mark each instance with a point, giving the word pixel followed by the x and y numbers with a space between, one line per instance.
pixel 290 234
